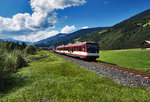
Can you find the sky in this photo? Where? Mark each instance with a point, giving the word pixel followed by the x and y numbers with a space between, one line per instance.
pixel 34 20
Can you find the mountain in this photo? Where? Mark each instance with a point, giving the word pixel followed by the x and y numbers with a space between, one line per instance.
pixel 20 42
pixel 140 15
pixel 68 38
pixel 126 34
pixel 50 39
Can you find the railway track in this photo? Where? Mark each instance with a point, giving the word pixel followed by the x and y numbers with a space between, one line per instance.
pixel 126 70
pixel 120 75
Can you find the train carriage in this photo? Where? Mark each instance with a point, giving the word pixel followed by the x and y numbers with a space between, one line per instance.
pixel 86 50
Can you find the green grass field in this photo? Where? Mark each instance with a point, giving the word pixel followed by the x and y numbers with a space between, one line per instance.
pixel 53 79
pixel 133 58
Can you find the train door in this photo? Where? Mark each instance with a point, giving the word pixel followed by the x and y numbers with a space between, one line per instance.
pixel 83 48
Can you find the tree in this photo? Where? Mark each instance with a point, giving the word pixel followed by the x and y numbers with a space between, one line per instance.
pixel 30 49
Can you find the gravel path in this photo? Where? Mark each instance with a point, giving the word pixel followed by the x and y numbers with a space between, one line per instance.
pixel 116 75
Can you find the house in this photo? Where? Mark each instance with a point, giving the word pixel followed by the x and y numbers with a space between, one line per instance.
pixel 145 45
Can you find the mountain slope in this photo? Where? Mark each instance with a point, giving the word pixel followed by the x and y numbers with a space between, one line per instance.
pixel 50 39
pixel 69 37
pixel 140 15
pixel 127 34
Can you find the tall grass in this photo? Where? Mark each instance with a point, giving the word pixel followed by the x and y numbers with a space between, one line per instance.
pixel 10 61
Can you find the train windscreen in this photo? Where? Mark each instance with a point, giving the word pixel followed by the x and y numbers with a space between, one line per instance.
pixel 92 48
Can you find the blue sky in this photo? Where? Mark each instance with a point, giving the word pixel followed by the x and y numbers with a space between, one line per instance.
pixel 33 20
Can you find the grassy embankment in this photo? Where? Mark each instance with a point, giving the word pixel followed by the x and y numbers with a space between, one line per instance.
pixel 54 79
pixel 136 59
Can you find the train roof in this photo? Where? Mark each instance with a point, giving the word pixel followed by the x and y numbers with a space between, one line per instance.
pixel 76 44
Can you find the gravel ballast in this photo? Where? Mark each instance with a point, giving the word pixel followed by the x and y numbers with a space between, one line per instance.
pixel 116 75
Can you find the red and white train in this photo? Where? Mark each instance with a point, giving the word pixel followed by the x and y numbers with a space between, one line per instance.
pixel 85 50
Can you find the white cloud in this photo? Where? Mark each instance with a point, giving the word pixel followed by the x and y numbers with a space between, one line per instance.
pixel 43 16
pixel 43 6
pixel 67 29
pixel 40 35
pixel 86 27
pixel 34 37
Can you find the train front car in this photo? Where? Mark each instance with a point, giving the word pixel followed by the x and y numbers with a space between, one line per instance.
pixel 91 50
pixel 84 50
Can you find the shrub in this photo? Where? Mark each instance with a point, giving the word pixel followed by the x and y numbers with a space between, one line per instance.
pixel 30 49
pixel 10 62
pixel 20 61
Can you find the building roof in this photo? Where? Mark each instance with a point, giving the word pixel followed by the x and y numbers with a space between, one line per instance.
pixel 147 41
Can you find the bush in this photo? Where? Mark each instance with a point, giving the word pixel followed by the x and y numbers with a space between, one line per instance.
pixel 10 62
pixel 20 61
pixel 31 49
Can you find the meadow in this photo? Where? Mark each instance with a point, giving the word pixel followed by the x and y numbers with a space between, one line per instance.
pixel 136 59
pixel 54 79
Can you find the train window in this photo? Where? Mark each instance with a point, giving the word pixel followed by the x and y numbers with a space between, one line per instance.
pixel 74 48
pixel 83 47
pixel 79 48
pixel 92 48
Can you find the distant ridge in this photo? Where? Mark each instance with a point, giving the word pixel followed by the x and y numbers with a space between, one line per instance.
pixel 9 39
pixel 62 39
pixel 50 39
